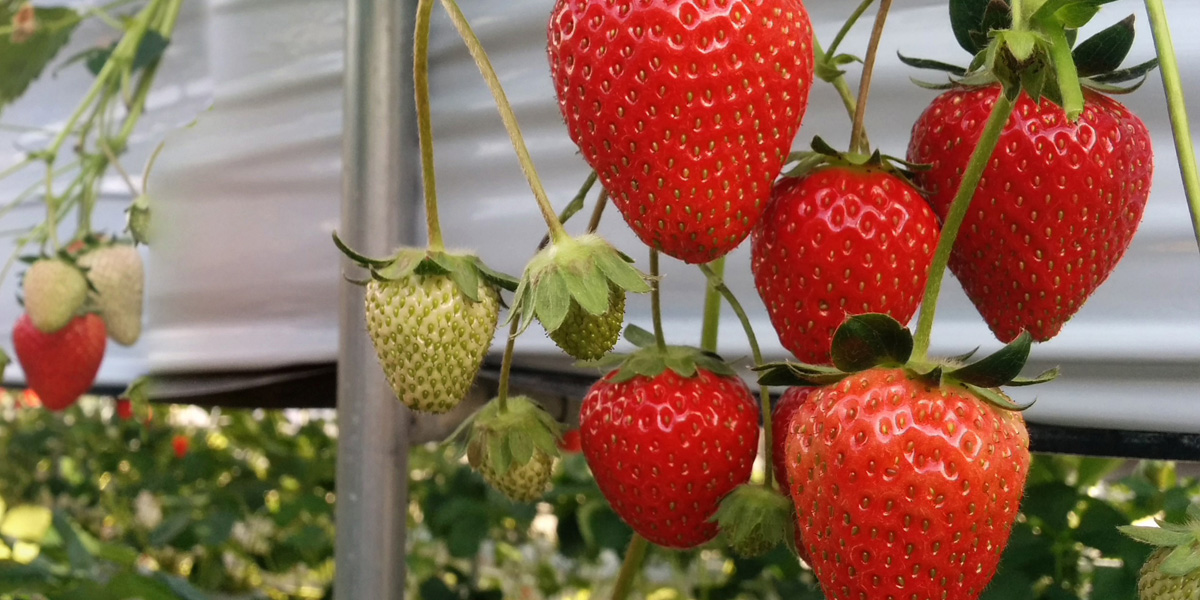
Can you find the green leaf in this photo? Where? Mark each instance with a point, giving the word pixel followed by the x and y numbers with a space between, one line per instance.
pixel 150 49
pixel 972 19
pixel 1074 16
pixel 26 522
pixel 865 341
pixel 790 374
pixel 1043 377
pixel 33 577
pixel 1123 75
pixel 1158 536
pixel 998 368
pixel 132 585
pixel 1105 51
pixel 1181 562
pixel 183 590
pixel 639 337
pixel 552 300
pixel 170 528
pixel 21 64
pixel 78 555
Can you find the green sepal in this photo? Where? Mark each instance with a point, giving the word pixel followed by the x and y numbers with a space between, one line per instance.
pixel 962 358
pixel 581 271
pixel 1137 71
pixel 931 378
pixel 653 361
pixel 1181 562
pixel 1193 511
pixel 1159 536
pixel 639 337
pixel 870 340
pixel 1105 51
pixel 828 68
pixel 1043 377
pixel 995 398
pixel 998 368
pixel 510 438
pixel 790 374
pixel 933 65
pixel 467 271
pixel 753 519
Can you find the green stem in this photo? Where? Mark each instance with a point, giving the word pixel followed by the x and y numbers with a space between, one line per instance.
pixel 634 556
pixel 1177 109
pixel 958 211
pixel 507 116
pixel 864 86
pixel 51 209
pixel 17 167
pixel 572 207
pixel 717 282
pixel 712 307
pixel 598 211
pixel 425 123
pixel 506 365
pixel 849 24
pixel 656 301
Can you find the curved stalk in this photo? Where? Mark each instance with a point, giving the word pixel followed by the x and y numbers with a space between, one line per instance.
pixel 425 123
pixel 717 283
pixel 1168 65
pixel 629 568
pixel 864 86
pixel 598 211
pixel 507 116
pixel 712 307
pixel 849 24
pixel 954 219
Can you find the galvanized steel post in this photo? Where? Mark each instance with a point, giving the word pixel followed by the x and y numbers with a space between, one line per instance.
pixel 380 191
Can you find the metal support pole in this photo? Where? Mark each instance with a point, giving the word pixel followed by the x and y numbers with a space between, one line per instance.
pixel 381 184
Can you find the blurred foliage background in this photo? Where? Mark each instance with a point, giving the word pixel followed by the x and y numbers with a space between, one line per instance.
pixel 98 507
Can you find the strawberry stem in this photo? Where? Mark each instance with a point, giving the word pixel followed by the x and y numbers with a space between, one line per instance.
pixel 712 305
pixel 843 89
pixel 425 122
pixel 864 86
pixel 988 141
pixel 717 282
pixel 506 365
pixel 656 301
pixel 507 116
pixel 1177 109
pixel 634 554
pixel 598 211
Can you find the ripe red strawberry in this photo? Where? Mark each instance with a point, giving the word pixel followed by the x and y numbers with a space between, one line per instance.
pixel 124 409
pixel 905 490
pixel 781 422
pixel 60 366
pixel 665 449
pixel 685 108
pixel 838 241
pixel 180 444
pixel 571 442
pixel 1056 209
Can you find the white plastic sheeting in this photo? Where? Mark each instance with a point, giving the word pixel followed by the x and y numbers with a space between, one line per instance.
pixel 244 275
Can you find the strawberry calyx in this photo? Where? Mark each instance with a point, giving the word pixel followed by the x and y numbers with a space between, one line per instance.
pixel 585 271
pixel 1183 541
pixel 467 271
pixel 651 360
pixel 501 441
pixel 874 340
pixel 823 155
pixel 753 519
pixel 1036 52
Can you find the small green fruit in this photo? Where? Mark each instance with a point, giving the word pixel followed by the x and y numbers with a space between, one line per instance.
pixel 588 337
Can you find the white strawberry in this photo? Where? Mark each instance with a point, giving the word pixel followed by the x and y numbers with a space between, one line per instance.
pixel 119 278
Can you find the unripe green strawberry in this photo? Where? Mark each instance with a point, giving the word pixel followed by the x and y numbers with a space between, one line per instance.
pixel 1153 584
pixel 119 278
pixel 139 220
pixel 430 337
pixel 514 446
pixel 521 483
pixel 54 291
pixel 586 336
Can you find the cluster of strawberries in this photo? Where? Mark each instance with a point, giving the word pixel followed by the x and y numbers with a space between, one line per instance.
pixel 74 301
pixel 901 475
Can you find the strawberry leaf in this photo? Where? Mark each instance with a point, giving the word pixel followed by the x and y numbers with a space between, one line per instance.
pixel 999 368
pixel 1105 51
pixel 971 21
pixel 869 340
pixel 1158 536
pixel 22 63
